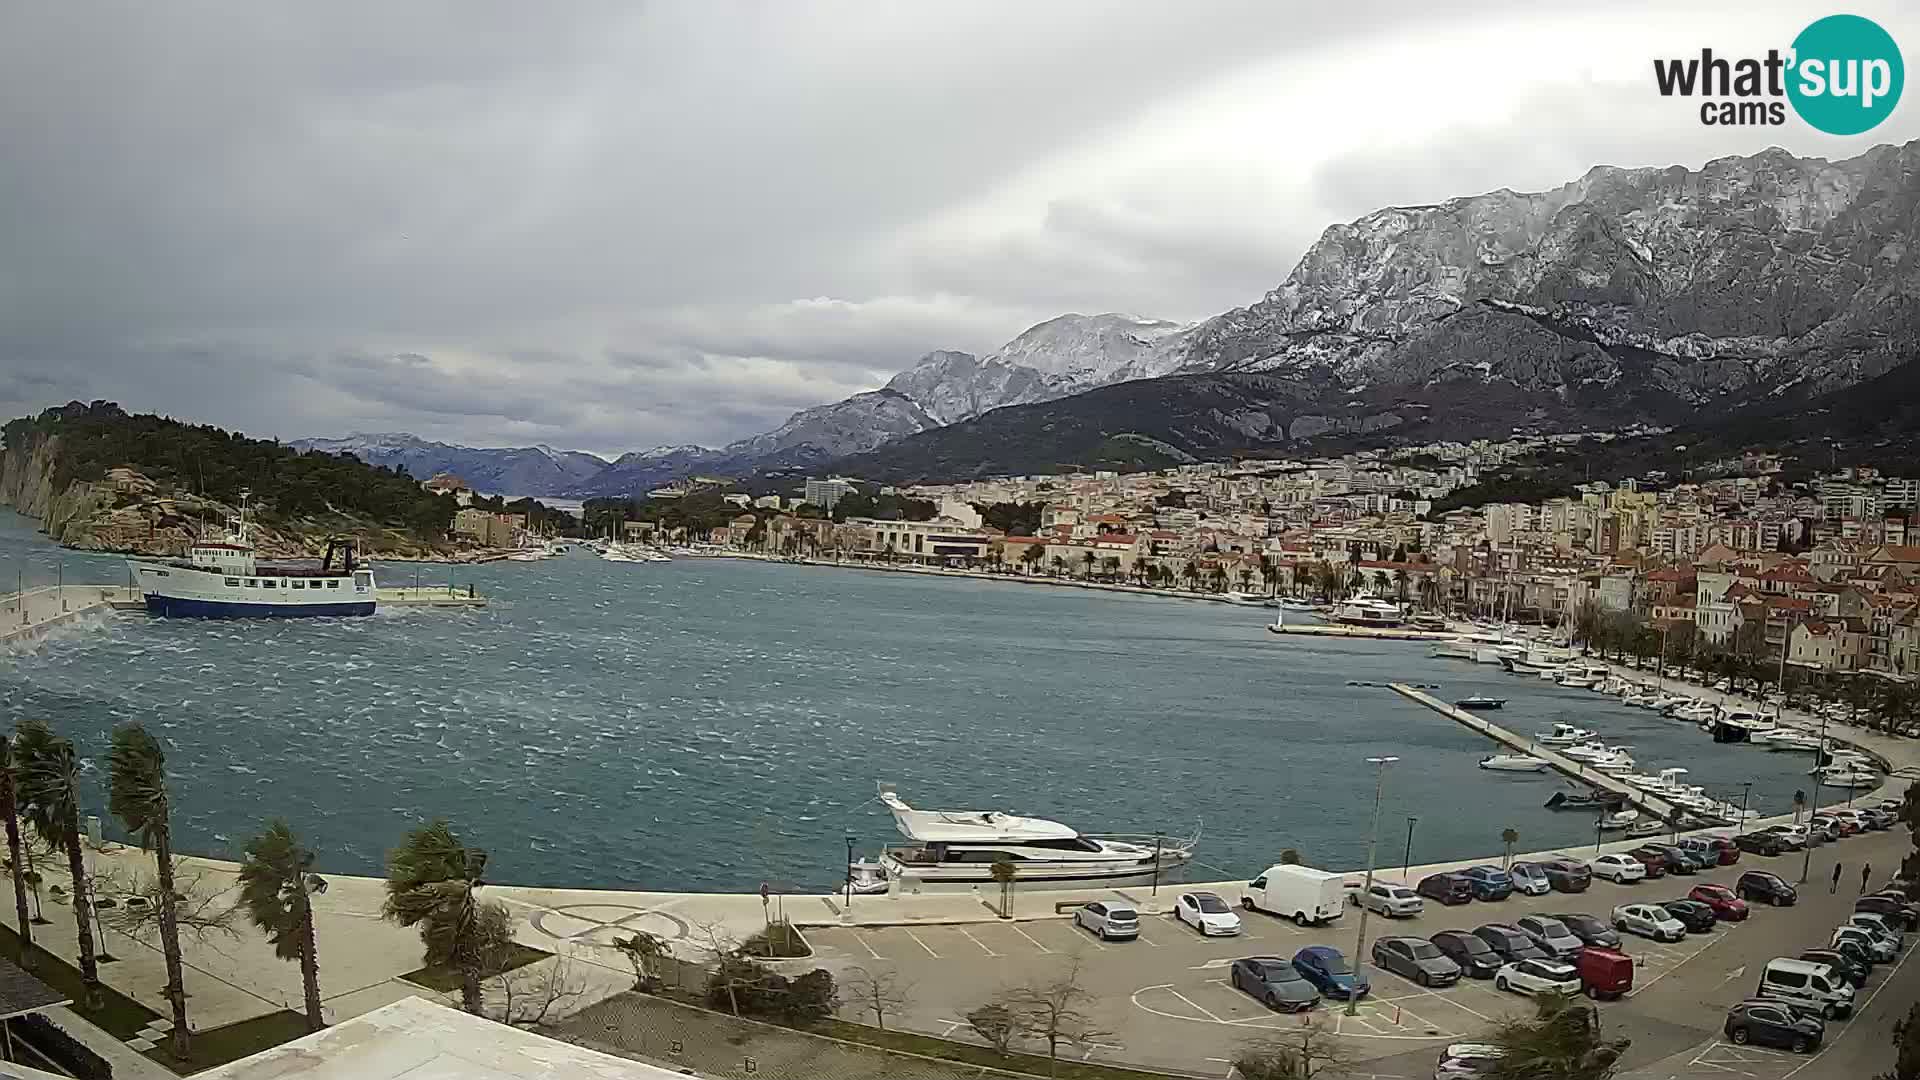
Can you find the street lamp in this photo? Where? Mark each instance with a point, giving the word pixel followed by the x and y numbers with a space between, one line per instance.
pixel 849 871
pixel 1406 863
pixel 1819 763
pixel 1373 834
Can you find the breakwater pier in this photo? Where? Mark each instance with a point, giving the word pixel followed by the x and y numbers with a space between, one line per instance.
pixel 27 615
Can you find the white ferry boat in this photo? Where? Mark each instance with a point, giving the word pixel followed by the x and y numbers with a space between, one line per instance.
pixel 957 850
pixel 222 580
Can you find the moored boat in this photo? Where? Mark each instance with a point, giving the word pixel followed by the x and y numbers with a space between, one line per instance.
pixel 223 579
pixel 958 849
pixel 1480 701
pixel 1513 763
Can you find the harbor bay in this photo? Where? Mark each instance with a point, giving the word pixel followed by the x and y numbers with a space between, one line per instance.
pixel 715 724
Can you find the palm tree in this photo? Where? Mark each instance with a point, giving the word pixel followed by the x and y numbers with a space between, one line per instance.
pixel 49 786
pixel 1509 837
pixel 1059 565
pixel 16 853
pixel 1032 555
pixel 137 795
pixel 433 882
pixel 277 886
pixel 1087 558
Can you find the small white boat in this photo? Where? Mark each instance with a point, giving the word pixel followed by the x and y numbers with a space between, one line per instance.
pixel 1481 701
pixel 1513 763
pixel 1620 819
pixel 1577 681
pixel 1642 701
pixel 1793 742
pixel 867 877
pixel 1246 599
pixel 1563 735
pixel 1846 775
pixel 1649 827
pixel 1613 762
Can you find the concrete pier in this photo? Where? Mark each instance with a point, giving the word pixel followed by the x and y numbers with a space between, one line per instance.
pixel 1371 633
pixel 1574 770
pixel 30 615
pixel 429 596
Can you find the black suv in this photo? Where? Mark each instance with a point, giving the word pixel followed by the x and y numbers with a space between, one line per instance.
pixel 1477 960
pixel 1510 942
pixel 1760 843
pixel 1760 886
pixel 1697 917
pixel 1449 889
pixel 1564 874
pixel 1590 929
pixel 1773 1023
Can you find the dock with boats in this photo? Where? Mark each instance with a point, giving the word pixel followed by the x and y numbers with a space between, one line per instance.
pixel 1371 633
pixel 1520 744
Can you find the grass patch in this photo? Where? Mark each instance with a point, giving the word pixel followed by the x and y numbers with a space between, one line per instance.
pixel 118 1015
pixel 447 979
pixel 947 1050
pixel 779 941
pixel 233 1042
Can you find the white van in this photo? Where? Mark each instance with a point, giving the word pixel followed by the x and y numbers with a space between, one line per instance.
pixel 1815 985
pixel 1307 896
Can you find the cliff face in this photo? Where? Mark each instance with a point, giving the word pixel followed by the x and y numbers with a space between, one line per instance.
pixel 129 512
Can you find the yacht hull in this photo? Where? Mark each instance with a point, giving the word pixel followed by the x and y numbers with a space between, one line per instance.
pixel 909 878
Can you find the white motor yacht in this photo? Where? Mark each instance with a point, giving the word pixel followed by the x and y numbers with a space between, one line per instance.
pixel 1563 735
pixel 1513 763
pixel 1365 609
pixel 957 850
pixel 1578 680
pixel 1620 819
pixel 1613 762
pixel 1849 775
pixel 1794 742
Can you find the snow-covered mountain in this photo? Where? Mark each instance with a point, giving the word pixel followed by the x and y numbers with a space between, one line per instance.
pixel 525 470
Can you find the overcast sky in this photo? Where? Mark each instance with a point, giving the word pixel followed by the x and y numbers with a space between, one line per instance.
pixel 611 226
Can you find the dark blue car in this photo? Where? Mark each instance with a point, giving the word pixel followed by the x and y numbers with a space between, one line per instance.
pixel 1329 972
pixel 1489 882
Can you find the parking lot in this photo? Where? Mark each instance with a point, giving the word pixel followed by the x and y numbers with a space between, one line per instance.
pixel 1164 999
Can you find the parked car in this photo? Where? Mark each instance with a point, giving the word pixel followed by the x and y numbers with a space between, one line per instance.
pixel 1529 879
pixel 1507 940
pixel 1881 949
pixel 1648 920
pixel 1604 973
pixel 1697 917
pixel 1879 924
pixel 1880 904
pixel 1772 1023
pixel 1467 1061
pixel 1653 860
pixel 1762 843
pixel 1274 982
pixel 1550 934
pixel 1860 820
pixel 1619 869
pixel 1836 827
pixel 1538 977
pixel 1417 959
pixel 1565 873
pixel 1794 835
pixel 1448 889
pixel 1849 964
pixel 1109 922
pixel 1489 882
pixel 1590 929
pixel 1207 913
pixel 1679 859
pixel 1327 969
pixel 1726 906
pixel 1764 887
pixel 1811 986
pixel 1856 951
pixel 1393 901
pixel 1476 958
pixel 1718 850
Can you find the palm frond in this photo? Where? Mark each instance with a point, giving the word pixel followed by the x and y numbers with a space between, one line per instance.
pixel 272 887
pixel 48 781
pixel 137 782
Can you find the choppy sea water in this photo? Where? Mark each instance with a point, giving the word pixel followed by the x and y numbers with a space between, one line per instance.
pixel 712 724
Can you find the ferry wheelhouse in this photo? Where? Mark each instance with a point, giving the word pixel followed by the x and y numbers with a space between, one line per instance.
pixel 222 579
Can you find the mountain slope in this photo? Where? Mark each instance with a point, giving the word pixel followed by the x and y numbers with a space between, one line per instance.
pixel 532 470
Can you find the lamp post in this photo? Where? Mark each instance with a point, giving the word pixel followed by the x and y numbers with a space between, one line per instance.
pixel 849 871
pixel 1406 862
pixel 1819 763
pixel 1373 834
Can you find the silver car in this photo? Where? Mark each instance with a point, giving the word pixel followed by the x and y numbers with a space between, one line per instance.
pixel 1550 934
pixel 1109 922
pixel 1393 901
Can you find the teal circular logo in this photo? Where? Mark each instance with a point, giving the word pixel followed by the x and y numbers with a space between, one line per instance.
pixel 1847 75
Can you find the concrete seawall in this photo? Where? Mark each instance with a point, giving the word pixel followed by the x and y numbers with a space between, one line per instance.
pixel 29 616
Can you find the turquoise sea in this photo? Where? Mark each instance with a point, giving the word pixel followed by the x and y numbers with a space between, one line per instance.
pixel 712 724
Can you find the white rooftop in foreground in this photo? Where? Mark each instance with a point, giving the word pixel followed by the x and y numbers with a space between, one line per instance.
pixel 416 1039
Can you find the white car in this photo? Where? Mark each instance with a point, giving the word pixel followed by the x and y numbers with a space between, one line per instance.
pixel 1393 901
pixel 1207 913
pixel 1619 869
pixel 1794 835
pixel 1538 977
pixel 1648 920
pixel 1881 949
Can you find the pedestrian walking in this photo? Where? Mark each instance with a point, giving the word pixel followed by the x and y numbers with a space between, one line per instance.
pixel 1835 887
pixel 1866 871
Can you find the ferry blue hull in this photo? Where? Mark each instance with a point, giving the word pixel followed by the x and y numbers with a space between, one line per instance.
pixel 176 607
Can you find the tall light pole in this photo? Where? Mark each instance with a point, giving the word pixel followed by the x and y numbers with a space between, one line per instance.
pixel 1373 835
pixel 1819 763
pixel 849 871
pixel 1406 863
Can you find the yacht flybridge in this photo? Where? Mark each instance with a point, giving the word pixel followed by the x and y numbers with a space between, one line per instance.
pixel 957 849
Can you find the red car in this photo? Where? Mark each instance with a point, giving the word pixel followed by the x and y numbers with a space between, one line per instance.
pixel 1604 973
pixel 1726 906
pixel 1655 862
pixel 1729 851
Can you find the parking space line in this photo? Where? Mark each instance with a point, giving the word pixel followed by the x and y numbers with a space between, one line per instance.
pixel 1194 1006
pixel 922 944
pixel 862 939
pixel 1029 937
pixel 977 941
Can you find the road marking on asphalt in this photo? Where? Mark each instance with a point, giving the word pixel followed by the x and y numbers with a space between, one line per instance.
pixel 1734 974
pixel 977 941
pixel 1195 1007
pixel 1223 961
pixel 1029 937
pixel 1858 1010
pixel 922 944
pixel 862 939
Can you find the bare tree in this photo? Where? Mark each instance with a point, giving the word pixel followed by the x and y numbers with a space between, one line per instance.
pixel 720 946
pixel 1056 1012
pixel 525 997
pixel 643 951
pixel 1300 1054
pixel 201 908
pixel 997 1023
pixel 876 992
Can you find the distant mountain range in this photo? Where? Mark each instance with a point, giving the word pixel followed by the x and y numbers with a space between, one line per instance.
pixel 1664 295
